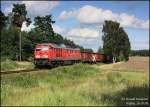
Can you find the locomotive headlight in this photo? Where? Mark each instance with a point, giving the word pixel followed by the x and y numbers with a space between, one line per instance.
pixel 45 56
pixel 37 56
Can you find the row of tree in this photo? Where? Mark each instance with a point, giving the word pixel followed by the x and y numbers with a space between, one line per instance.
pixel 42 33
pixel 140 52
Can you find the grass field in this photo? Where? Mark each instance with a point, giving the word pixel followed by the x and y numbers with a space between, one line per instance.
pixel 79 84
pixel 15 65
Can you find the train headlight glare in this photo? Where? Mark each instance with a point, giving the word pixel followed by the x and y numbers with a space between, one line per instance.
pixel 45 56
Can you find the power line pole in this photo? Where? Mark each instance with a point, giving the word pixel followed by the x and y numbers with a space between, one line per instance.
pixel 20 45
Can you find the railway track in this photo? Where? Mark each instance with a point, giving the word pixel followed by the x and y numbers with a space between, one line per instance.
pixel 24 70
pixel 19 71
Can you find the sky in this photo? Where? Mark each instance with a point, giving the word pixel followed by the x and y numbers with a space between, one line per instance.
pixel 82 21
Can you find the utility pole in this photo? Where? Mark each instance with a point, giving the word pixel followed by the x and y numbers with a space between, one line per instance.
pixel 20 45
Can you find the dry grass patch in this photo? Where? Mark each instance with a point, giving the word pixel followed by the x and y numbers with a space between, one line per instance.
pixel 135 63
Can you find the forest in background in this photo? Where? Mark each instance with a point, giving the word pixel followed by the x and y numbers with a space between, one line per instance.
pixel 143 52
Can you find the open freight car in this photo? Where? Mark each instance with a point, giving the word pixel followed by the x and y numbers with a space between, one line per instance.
pixel 91 57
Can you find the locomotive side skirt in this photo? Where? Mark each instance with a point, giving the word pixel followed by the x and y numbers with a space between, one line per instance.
pixel 44 62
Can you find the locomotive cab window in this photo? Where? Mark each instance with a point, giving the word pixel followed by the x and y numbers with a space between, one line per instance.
pixel 45 49
pixel 38 49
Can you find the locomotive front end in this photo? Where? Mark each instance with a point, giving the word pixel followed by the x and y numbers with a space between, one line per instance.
pixel 41 55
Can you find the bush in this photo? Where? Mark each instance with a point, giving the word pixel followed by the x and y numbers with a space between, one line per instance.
pixel 121 58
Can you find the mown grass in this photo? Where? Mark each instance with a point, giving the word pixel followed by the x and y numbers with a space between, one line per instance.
pixel 13 65
pixel 79 84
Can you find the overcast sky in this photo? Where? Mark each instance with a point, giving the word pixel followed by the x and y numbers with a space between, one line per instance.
pixel 81 21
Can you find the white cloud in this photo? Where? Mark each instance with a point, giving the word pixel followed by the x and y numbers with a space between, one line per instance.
pixel 66 14
pixel 9 6
pixel 34 8
pixel 27 28
pixel 86 37
pixel 132 21
pixel 7 10
pixel 93 43
pixel 58 29
pixel 83 33
pixel 89 14
pixel 41 8
pixel 93 15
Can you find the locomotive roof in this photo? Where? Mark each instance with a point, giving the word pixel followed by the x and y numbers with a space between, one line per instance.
pixel 59 46
pixel 91 52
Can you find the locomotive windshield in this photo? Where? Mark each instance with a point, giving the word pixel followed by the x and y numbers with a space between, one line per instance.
pixel 42 49
pixel 45 49
pixel 38 49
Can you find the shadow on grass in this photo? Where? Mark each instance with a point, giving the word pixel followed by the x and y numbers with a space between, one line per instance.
pixel 133 95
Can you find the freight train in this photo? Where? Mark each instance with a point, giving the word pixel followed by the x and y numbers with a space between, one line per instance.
pixel 51 54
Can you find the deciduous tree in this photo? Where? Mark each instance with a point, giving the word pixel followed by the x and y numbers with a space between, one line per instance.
pixel 116 41
pixel 3 20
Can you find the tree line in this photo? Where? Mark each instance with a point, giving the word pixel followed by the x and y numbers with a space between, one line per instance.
pixel 140 52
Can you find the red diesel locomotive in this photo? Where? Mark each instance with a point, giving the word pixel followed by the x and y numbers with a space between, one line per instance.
pixel 53 54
